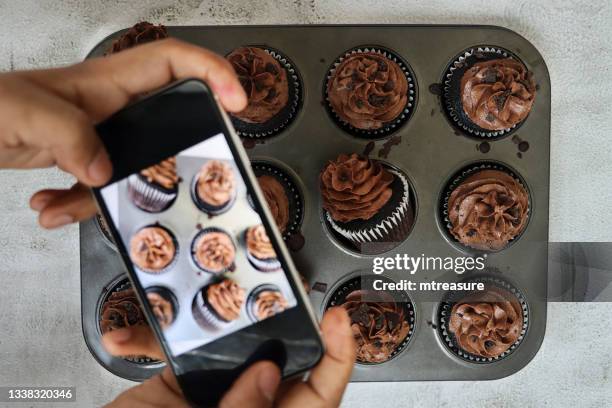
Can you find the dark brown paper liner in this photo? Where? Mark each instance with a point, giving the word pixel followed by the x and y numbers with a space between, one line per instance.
pixel 390 127
pixel 455 180
pixel 443 316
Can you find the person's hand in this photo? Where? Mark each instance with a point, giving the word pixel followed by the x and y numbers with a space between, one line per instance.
pixel 47 117
pixel 258 386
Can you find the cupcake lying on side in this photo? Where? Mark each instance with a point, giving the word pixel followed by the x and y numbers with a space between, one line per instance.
pixel 219 303
pixel 155 188
pixel 365 201
pixel 260 251
pixel 487 210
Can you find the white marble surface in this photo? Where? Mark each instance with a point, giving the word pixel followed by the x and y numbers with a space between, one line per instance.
pixel 41 341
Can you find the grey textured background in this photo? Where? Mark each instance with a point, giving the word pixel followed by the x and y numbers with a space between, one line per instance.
pixel 41 341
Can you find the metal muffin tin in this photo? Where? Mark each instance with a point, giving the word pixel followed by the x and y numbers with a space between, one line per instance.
pixel 430 152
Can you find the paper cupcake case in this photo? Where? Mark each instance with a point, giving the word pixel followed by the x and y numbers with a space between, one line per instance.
pixel 390 127
pixel 448 338
pixel 205 316
pixel 451 93
pixel 355 281
pixel 149 197
pixel 282 120
pixel 456 180
pixel 194 242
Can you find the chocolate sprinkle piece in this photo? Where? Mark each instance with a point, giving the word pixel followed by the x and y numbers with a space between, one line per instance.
pixel 435 89
pixel 368 149
pixel 319 287
pixel 386 149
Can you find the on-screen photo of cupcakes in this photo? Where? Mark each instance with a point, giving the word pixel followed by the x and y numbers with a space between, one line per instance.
pixel 273 90
pixel 140 33
pixel 282 195
pixel 370 92
pixel 219 303
pixel 260 251
pixel 153 249
pixel 484 326
pixel 163 304
pixel 214 187
pixel 155 188
pixel 382 322
pixel 488 92
pixel 265 301
pixel 485 207
pixel 367 203
pixel 213 251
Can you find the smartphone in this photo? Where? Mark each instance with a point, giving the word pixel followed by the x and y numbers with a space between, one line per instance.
pixel 201 249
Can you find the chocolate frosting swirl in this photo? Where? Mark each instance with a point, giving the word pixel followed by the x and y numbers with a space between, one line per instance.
pixel 215 252
pixel 269 303
pixel 121 309
pixel 379 324
pixel 258 243
pixel 488 209
pixel 497 94
pixel 277 200
pixel 367 90
pixel 487 324
pixel 226 299
pixel 152 248
pixel 354 187
pixel 163 173
pixel 216 184
pixel 140 33
pixel 162 309
pixel 264 80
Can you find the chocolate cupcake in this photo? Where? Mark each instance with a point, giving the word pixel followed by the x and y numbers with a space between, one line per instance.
pixel 382 322
pixel 163 304
pixel 155 188
pixel 219 303
pixel 486 207
pixel 213 251
pixel 370 92
pixel 140 33
pixel 153 249
pixel 282 195
pixel 367 203
pixel 265 301
pixel 272 87
pixel 260 251
pixel 488 92
pixel 214 187
pixel 484 326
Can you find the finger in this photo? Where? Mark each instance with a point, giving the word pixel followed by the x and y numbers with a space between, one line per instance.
pixel 255 387
pixel 61 207
pixel 328 379
pixel 133 341
pixel 102 86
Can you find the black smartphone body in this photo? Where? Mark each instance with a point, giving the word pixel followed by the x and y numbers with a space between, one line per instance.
pixel 202 252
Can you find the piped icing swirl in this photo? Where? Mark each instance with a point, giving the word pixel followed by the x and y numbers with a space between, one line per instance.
pixel 487 210
pixel 277 200
pixel 258 243
pixel 216 184
pixel 264 80
pixel 487 324
pixel 269 303
pixel 368 90
pixel 497 94
pixel 226 299
pixel 121 309
pixel 378 323
pixel 140 33
pixel 354 187
pixel 162 309
pixel 152 249
pixel 163 173
pixel 215 252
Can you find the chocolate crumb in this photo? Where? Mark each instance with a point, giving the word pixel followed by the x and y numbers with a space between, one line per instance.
pixel 368 148
pixel 435 89
pixel 232 268
pixel 516 139
pixel 432 324
pixel 248 143
pixel 433 112
pixel 523 146
pixel 296 241
pixel 199 226
pixel 457 133
pixel 386 148
pixel 322 60
pixel 484 147
pixel 519 155
pixel 319 287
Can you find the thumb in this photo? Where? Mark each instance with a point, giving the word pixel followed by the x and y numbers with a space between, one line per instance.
pixel 255 387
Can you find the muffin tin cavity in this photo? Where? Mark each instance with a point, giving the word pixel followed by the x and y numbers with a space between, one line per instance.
pixel 456 180
pixel 281 120
pixel 451 93
pixel 375 312
pixel 381 98
pixel 444 315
